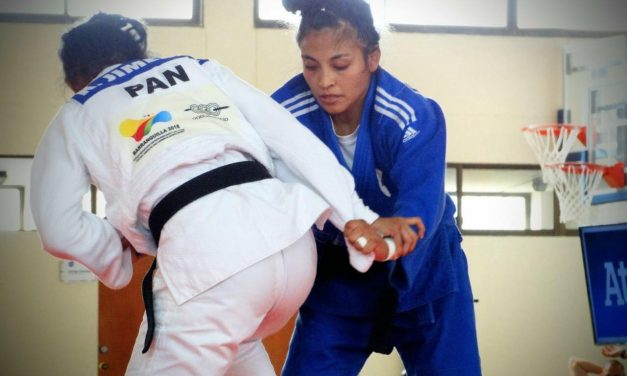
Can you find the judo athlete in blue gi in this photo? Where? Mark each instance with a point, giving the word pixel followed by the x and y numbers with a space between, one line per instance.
pixel 393 141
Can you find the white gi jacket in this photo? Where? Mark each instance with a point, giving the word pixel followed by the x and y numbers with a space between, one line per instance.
pixel 141 129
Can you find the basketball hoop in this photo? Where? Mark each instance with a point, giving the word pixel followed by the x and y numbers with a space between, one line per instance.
pixel 551 143
pixel 574 183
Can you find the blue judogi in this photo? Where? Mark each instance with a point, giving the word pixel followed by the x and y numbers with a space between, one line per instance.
pixel 423 301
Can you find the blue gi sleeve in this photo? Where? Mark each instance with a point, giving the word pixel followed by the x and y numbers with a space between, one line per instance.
pixel 417 168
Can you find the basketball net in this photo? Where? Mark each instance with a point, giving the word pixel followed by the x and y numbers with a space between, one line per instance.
pixel 574 184
pixel 551 143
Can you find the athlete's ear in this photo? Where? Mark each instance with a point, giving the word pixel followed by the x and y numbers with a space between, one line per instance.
pixel 78 83
pixel 373 58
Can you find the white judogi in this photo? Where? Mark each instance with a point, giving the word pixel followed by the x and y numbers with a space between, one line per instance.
pixel 219 331
pixel 140 130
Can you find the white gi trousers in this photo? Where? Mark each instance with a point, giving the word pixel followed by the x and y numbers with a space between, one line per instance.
pixel 219 331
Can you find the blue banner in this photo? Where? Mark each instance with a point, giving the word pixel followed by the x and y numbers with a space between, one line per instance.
pixel 605 261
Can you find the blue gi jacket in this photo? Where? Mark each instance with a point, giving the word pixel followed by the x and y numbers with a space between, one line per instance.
pixel 399 169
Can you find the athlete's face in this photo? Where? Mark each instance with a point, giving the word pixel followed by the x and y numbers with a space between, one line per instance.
pixel 337 72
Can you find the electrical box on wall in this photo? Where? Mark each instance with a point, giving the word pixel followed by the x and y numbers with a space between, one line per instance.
pixel 72 272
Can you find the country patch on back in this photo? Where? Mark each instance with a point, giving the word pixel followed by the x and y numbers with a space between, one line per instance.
pixel 119 75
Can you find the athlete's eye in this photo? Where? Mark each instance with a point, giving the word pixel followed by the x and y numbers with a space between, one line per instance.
pixel 310 67
pixel 341 67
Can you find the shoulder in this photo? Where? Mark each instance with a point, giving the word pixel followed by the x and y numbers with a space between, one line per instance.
pixel 400 103
pixel 64 129
pixel 292 90
pixel 392 90
pixel 215 70
pixel 70 113
pixel 208 64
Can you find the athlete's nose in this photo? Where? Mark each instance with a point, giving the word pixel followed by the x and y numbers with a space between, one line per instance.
pixel 326 78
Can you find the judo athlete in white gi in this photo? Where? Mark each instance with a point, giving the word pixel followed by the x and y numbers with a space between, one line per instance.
pixel 393 140
pixel 233 265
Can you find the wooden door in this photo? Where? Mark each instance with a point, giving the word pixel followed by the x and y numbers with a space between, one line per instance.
pixel 276 345
pixel 120 313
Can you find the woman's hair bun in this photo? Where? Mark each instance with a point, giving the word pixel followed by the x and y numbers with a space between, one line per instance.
pixel 298 5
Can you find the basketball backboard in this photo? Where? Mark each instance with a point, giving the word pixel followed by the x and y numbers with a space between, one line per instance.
pixel 595 94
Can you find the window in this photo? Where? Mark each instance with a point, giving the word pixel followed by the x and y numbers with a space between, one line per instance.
pixel 166 12
pixel 503 199
pixel 499 17
pixel 478 13
pixel 14 191
pixel 495 212
pixel 583 15
pixel 271 12
pixel 12 202
pixel 15 213
pixel 495 200
pixel 94 202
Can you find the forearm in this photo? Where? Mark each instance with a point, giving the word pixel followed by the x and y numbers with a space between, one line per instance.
pixel 581 367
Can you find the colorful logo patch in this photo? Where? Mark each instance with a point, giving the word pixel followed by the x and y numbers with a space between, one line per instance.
pixel 140 128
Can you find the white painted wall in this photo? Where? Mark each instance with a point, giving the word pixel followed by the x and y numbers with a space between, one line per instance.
pixel 532 313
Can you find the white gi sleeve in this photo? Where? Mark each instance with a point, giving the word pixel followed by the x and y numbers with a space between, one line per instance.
pixel 59 180
pixel 307 159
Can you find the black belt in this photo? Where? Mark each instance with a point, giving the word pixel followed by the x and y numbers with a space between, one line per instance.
pixel 379 340
pixel 202 185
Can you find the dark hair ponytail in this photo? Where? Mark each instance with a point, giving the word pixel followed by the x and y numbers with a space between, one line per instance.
pixel 103 40
pixel 294 6
pixel 318 14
